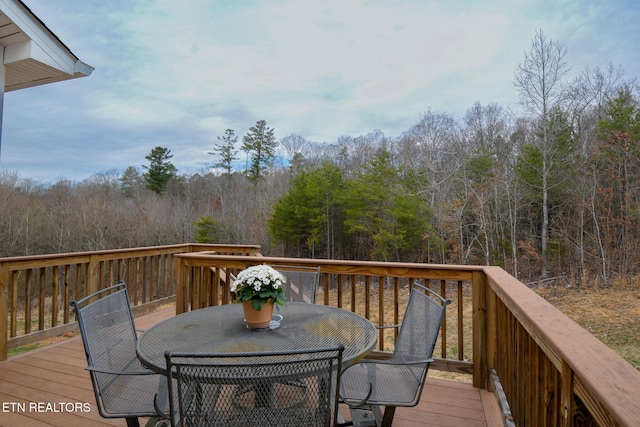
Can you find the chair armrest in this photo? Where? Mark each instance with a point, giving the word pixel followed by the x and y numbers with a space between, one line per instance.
pixel 359 403
pixel 110 372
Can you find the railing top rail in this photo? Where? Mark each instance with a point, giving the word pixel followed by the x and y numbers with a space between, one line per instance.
pixel 212 247
pixel 598 370
pixel 373 268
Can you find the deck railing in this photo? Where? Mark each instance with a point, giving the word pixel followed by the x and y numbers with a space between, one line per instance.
pixel 374 290
pixel 35 291
pixel 545 369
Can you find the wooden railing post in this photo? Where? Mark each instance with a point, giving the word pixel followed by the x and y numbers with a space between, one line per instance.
pixel 93 274
pixel 479 292
pixel 492 333
pixel 566 395
pixel 180 286
pixel 4 309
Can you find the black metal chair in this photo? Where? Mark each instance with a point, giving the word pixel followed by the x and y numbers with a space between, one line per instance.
pixel 399 381
pixel 206 384
pixel 122 386
pixel 301 283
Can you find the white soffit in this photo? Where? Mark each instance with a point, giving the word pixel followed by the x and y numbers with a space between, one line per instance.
pixel 33 55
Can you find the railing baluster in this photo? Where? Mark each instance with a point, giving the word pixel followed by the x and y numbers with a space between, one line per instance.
pixel 154 283
pixel 381 311
pixel 13 279
pixel 460 320
pixel 443 328
pixel 353 292
pixel 41 296
pixel 65 294
pixel 55 276
pixel 396 306
pixel 367 301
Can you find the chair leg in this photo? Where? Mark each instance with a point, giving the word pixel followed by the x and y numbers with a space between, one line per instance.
pixel 387 419
pixel 132 422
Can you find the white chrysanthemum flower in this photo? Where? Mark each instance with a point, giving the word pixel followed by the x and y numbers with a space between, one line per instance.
pixel 258 277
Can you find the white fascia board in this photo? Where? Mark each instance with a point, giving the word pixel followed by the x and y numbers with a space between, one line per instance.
pixel 44 44
pixel 83 69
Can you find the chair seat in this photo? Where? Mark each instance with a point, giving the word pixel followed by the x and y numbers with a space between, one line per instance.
pixel 131 393
pixel 388 382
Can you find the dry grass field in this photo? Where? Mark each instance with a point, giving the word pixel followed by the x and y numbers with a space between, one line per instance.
pixel 611 314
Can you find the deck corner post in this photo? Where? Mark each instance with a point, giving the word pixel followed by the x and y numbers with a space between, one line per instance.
pixel 479 297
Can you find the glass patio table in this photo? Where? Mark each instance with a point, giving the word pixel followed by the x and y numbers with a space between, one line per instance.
pixel 221 329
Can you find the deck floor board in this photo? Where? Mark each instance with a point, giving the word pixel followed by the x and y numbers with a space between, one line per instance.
pixel 56 373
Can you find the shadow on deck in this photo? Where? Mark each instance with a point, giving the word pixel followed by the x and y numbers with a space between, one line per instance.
pixel 50 387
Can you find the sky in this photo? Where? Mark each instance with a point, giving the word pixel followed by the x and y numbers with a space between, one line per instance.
pixel 177 74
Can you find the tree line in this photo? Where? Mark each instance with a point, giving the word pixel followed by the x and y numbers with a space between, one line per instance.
pixel 553 190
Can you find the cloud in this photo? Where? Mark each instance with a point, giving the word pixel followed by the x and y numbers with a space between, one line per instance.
pixel 178 74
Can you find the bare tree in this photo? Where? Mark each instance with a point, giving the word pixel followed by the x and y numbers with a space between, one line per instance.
pixel 293 144
pixel 539 82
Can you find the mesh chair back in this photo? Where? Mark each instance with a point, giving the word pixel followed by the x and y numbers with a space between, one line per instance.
pixel 109 338
pixel 416 340
pixel 207 386
pixel 420 326
pixel 301 283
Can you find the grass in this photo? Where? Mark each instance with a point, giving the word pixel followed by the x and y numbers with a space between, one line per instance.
pixel 611 314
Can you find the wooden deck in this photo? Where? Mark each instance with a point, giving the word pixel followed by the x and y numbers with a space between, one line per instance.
pixel 38 387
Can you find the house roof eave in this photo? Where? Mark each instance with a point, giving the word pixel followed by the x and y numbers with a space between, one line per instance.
pixel 33 54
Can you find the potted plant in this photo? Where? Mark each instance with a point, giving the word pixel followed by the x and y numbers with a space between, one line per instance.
pixel 258 288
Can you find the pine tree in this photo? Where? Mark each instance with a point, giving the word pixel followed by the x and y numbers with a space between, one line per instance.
pixel 226 151
pixel 261 145
pixel 207 229
pixel 129 180
pixel 160 170
pixel 310 214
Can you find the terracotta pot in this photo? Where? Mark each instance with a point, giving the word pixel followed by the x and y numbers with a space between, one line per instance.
pixel 256 319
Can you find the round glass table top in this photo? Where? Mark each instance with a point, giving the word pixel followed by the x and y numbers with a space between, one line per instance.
pixel 221 329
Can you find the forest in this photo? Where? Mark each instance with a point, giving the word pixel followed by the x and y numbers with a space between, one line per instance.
pixel 551 191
